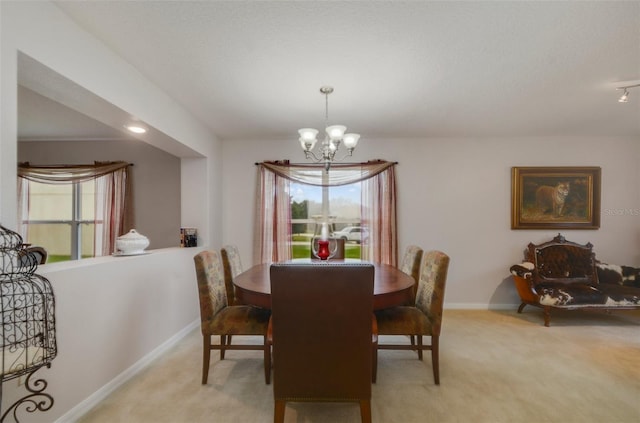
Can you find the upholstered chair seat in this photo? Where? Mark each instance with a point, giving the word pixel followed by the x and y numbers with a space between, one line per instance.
pixel 403 321
pixel 239 320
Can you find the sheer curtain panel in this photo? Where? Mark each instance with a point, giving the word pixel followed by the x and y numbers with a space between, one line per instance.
pixel 273 218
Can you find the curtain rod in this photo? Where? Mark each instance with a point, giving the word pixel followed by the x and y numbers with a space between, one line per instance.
pixel 69 165
pixel 321 164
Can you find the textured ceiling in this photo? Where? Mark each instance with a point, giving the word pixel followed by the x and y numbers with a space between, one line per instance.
pixel 400 69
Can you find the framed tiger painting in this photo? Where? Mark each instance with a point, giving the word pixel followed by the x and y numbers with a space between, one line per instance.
pixel 555 197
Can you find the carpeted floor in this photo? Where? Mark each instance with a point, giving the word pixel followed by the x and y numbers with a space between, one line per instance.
pixel 496 366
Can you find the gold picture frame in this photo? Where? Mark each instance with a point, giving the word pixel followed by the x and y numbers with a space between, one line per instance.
pixel 555 197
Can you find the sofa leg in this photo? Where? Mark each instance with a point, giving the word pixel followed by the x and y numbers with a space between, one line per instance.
pixel 547 316
pixel 521 307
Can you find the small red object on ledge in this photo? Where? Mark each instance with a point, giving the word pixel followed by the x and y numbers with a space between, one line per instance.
pixel 323 250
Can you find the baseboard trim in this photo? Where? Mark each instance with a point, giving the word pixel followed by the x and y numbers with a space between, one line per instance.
pixel 85 406
pixel 480 306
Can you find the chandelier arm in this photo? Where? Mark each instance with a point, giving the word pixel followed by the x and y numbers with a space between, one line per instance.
pixel 349 153
pixel 311 156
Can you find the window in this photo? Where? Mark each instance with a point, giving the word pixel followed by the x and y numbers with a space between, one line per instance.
pixel 308 202
pixel 74 211
pixel 62 219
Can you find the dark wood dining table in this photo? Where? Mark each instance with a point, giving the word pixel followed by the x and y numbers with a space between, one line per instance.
pixel 391 286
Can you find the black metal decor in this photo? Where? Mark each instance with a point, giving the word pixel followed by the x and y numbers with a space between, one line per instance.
pixel 28 332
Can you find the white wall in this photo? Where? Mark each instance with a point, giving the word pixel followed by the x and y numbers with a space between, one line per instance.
pixel 454 194
pixel 111 312
pixel 113 315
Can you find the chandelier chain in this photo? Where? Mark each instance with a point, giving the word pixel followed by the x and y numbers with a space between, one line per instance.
pixel 326 108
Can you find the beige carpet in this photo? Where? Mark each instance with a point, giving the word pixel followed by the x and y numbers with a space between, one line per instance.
pixel 496 366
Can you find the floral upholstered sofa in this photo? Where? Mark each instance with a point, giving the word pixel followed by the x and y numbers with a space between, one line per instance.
pixel 561 274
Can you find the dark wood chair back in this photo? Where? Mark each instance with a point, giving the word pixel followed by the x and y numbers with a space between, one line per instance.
pixel 322 331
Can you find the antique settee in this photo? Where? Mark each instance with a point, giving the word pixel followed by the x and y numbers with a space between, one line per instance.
pixel 561 274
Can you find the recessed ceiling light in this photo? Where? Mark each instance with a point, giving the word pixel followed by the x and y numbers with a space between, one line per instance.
pixel 136 129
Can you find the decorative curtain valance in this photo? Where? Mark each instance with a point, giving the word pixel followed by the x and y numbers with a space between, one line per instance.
pixel 64 174
pixel 340 173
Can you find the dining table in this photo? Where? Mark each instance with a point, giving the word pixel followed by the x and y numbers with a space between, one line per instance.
pixel 391 287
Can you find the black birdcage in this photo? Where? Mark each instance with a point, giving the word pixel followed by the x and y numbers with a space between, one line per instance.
pixel 28 332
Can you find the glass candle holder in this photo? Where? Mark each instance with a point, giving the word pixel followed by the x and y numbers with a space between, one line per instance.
pixel 323 247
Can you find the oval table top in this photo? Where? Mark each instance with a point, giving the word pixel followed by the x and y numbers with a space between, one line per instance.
pixel 391 286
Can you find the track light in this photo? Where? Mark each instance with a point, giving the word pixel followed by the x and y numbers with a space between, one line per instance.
pixel 624 98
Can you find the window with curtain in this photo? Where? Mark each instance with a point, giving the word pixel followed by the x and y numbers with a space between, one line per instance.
pixel 74 211
pixel 342 207
pixel 275 225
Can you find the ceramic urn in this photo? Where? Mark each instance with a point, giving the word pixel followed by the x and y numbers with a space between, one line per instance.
pixel 131 243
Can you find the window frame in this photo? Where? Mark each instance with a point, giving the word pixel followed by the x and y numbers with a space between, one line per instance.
pixel 76 223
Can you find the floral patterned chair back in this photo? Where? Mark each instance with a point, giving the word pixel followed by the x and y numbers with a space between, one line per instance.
pixel 232 267
pixel 211 287
pixel 430 294
pixel 411 264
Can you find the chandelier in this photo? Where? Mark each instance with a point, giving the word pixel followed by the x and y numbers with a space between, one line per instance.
pixel 334 136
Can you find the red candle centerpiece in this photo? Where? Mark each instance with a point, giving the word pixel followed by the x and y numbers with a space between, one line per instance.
pixel 323 250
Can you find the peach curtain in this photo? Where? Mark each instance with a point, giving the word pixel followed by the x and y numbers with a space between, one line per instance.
pixel 273 218
pixel 111 208
pixel 378 213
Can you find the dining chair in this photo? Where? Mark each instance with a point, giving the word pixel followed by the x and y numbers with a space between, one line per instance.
pixel 410 264
pixel 425 317
pixel 340 246
pixel 321 327
pixel 219 318
pixel 232 267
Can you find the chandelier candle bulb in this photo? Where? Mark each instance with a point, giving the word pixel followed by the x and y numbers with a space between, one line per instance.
pixel 308 134
pixel 336 132
pixel 350 140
